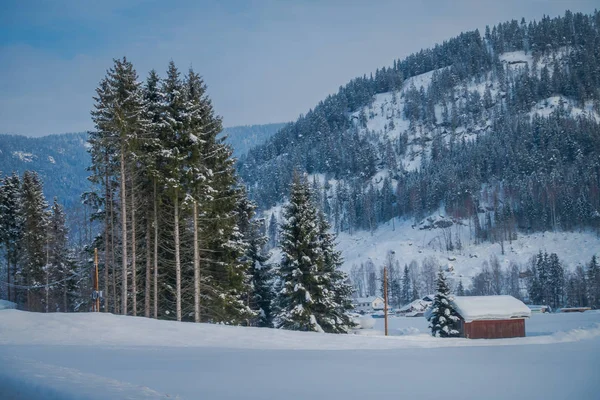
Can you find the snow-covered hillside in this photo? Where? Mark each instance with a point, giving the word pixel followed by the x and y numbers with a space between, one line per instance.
pixel 386 117
pixel 409 242
pixel 101 356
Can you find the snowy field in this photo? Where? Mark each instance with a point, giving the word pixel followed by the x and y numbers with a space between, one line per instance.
pixel 98 356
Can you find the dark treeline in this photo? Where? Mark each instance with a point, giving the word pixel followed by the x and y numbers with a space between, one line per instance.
pixel 39 270
pixel 518 171
pixel 544 280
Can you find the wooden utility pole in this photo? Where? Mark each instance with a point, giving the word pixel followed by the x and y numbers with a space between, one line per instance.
pixel 385 300
pixel 97 301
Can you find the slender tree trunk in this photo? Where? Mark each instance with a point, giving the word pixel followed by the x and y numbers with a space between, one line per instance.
pixel 148 272
pixel 112 256
pixel 47 273
pixel 8 274
pixel 106 225
pixel 47 290
pixel 65 286
pixel 124 236
pixel 177 257
pixel 133 251
pixel 155 255
pixel 196 266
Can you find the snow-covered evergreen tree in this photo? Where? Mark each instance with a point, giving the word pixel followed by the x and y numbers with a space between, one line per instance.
pixel 33 241
pixel 10 228
pixel 260 294
pixel 312 293
pixel 460 289
pixel 335 288
pixel 61 264
pixel 406 294
pixel 443 318
pixel 593 283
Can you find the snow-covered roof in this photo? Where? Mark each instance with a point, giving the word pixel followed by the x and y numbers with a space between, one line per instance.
pixel 473 308
pixel 367 299
pixel 418 305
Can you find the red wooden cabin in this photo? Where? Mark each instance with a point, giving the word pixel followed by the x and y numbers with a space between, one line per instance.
pixel 491 317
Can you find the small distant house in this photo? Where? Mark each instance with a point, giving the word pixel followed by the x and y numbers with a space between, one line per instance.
pixel 368 304
pixel 539 309
pixel 417 307
pixel 491 317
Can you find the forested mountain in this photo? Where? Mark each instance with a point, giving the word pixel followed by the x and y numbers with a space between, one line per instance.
pixel 62 161
pixel 243 138
pixel 500 128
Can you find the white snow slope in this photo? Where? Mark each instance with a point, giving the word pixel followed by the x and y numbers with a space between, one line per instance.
pixel 102 356
pixel 411 243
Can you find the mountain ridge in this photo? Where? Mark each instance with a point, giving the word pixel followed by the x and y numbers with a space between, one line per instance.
pixel 473 125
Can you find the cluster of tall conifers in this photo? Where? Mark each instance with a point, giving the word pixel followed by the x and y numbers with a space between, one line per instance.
pixel 178 239
pixel 39 270
pixel 176 226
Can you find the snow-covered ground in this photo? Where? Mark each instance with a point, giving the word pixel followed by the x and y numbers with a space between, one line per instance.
pixel 99 356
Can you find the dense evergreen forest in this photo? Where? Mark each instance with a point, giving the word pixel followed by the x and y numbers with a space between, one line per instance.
pixel 243 138
pixel 485 154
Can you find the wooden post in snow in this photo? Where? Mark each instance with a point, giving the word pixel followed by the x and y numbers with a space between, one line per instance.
pixel 385 300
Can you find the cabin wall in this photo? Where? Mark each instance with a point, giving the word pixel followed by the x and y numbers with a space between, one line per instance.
pixel 494 329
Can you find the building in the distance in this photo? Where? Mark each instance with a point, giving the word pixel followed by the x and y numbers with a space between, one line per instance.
pixel 365 305
pixel 491 317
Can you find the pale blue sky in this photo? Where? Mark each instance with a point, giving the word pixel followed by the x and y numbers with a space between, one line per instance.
pixel 264 61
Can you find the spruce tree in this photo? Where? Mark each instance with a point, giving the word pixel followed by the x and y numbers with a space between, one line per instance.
pixel 33 240
pixel 260 272
pixel 61 264
pixel 10 228
pixel 335 287
pixel 406 294
pixel 593 283
pixel 273 231
pixel 460 289
pixel 443 318
pixel 120 118
pixel 312 294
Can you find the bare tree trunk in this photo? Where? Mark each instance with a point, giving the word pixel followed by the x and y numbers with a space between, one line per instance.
pixel 133 251
pixel 112 257
pixel 177 257
pixel 47 272
pixel 8 275
pixel 65 305
pixel 155 217
pixel 106 225
pixel 124 236
pixel 196 266
pixel 148 272
pixel 47 290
